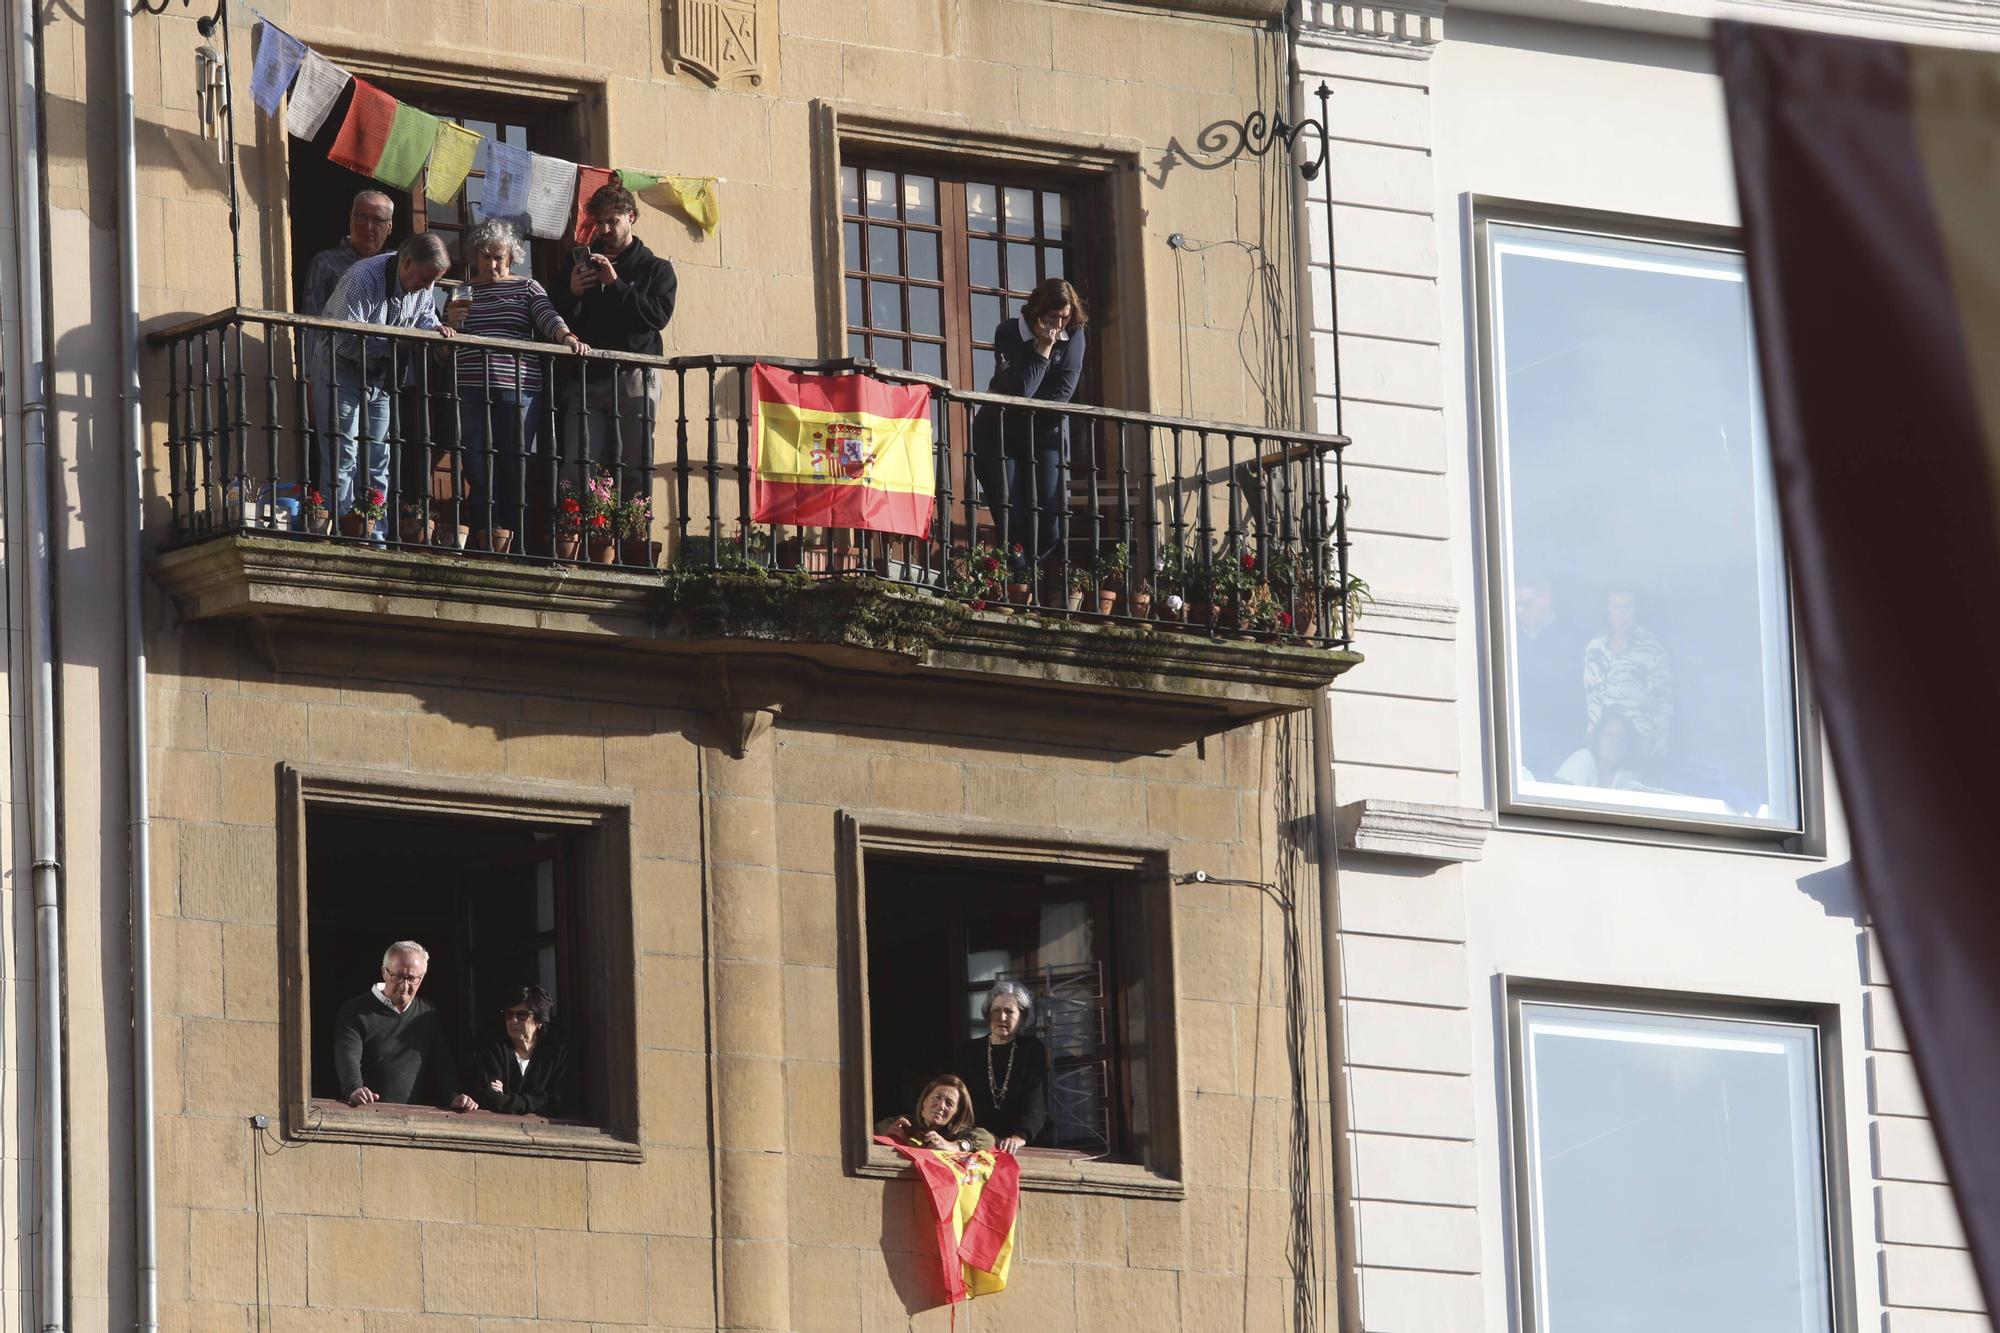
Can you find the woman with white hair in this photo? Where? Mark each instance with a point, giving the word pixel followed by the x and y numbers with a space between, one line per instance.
pixel 1007 1070
pixel 500 393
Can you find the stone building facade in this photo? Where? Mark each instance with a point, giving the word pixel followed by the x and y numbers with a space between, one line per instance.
pixel 338 742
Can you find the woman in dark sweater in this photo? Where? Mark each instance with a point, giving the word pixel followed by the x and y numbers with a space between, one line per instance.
pixel 1007 1070
pixel 1021 453
pixel 530 1070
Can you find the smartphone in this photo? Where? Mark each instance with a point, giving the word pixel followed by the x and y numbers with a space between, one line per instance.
pixel 579 256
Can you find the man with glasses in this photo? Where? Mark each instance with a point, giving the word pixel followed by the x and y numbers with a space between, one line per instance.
pixel 369 223
pixel 389 1046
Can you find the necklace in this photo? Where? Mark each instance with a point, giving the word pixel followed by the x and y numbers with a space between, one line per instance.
pixel 999 1093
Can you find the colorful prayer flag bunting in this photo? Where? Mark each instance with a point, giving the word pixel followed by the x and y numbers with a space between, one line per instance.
pixel 452 154
pixel 408 147
pixel 370 116
pixel 695 197
pixel 638 182
pixel 589 180
pixel 506 193
pixel 318 87
pixel 278 57
pixel 841 451
pixel 551 187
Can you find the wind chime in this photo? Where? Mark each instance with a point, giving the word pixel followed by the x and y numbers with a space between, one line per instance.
pixel 211 95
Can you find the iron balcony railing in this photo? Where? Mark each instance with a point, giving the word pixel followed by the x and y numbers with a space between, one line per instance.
pixel 1177 523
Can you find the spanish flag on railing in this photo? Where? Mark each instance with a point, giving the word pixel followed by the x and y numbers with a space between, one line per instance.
pixel 841 451
pixel 975 1198
pixel 1869 179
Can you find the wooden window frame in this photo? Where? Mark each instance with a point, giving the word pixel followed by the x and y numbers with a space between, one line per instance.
pixel 1153 1090
pixel 602 821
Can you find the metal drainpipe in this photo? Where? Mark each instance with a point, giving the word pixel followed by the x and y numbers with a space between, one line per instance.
pixel 50 1129
pixel 146 1249
pixel 1325 821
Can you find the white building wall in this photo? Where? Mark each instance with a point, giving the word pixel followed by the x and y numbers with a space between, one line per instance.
pixel 1590 115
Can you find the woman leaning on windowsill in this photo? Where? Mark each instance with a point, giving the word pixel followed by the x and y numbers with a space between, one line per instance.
pixel 1007 1070
pixel 529 1068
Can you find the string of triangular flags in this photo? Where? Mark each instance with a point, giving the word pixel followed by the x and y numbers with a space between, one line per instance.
pixel 393 142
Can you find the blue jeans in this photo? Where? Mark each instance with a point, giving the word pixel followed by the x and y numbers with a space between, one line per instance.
pixel 510 440
pixel 1028 488
pixel 360 423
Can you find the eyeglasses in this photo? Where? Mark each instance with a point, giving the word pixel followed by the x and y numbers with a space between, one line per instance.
pixel 374 221
pixel 519 1015
pixel 405 976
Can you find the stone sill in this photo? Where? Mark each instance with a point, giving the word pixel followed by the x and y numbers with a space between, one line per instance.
pixel 325 1120
pixel 859 624
pixel 1049 1171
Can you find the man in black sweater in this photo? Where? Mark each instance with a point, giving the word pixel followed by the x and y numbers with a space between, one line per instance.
pixel 389 1046
pixel 617 300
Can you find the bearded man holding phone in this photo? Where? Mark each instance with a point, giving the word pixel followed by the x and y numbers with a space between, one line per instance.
pixel 617 297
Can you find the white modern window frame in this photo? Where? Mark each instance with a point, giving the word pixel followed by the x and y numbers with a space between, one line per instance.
pixel 1791 744
pixel 1572 1012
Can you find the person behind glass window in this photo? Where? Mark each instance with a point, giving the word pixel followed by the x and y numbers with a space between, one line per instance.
pixel 1549 691
pixel 500 393
pixel 1627 669
pixel 618 299
pixel 1022 454
pixel 1609 760
pixel 389 1046
pixel 942 1119
pixel 394 291
pixel 1007 1069
pixel 528 1069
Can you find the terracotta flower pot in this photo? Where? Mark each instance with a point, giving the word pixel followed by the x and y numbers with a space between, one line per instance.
pixel 451 536
pixel 499 540
pixel 418 531
pixel 639 551
pixel 1017 593
pixel 603 550
pixel 353 525
pixel 1107 601
pixel 569 545
pixel 1142 605
pixel 316 521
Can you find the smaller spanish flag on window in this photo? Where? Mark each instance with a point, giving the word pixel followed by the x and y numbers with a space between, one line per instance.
pixel 841 451
pixel 975 1200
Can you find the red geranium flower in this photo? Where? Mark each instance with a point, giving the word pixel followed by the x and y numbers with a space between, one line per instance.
pixel 570 506
pixel 1018 549
pixel 1284 620
pixel 600 520
pixel 991 562
pixel 314 500
pixel 1249 561
pixel 978 604
pixel 376 497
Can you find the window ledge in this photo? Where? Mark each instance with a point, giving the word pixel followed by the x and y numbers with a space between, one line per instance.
pixel 328 1121
pixel 1419 832
pixel 1050 1171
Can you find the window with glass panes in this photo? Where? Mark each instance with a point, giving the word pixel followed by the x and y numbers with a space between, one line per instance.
pixel 453 220
pixel 934 262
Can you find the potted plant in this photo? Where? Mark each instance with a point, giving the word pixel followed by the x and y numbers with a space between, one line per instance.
pixel 313 512
pixel 1081 577
pixel 1019 588
pixel 1139 599
pixel 741 552
pixel 370 507
pixel 1113 576
pixel 600 518
pixel 569 521
pixel 414 526
pixel 634 520
pixel 978 575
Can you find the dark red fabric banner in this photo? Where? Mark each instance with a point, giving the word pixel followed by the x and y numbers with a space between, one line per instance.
pixel 1866 318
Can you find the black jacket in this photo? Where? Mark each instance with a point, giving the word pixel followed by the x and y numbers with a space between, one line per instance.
pixel 626 316
pixel 1025 1108
pixel 551 1085
pixel 1020 371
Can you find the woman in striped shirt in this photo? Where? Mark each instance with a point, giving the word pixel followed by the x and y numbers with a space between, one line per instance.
pixel 500 393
